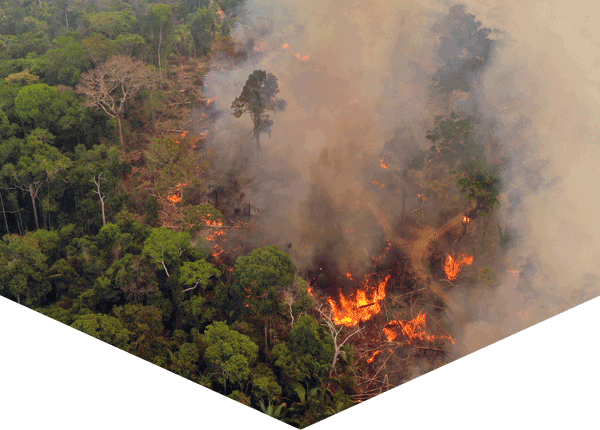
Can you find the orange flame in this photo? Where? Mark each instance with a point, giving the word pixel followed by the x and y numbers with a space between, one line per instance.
pixel 365 304
pixel 383 165
pixel 422 197
pixel 380 185
pixel 372 359
pixel 452 266
pixel 302 58
pixel 412 330
pixel 176 196
pixel 466 220
pixel 210 101
pixel 184 133
pixel 349 275
pixel 514 272
pixel 285 46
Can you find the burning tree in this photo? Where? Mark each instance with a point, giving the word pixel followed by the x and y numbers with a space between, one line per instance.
pixel 110 85
pixel 176 165
pixel 258 98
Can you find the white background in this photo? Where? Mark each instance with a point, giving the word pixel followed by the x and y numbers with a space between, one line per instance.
pixel 52 376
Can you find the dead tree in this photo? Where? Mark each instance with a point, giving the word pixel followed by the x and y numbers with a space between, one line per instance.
pixel 335 331
pixel 101 195
pixel 110 85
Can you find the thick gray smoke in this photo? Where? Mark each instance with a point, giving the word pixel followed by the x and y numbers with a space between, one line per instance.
pixel 351 73
pixel 541 89
pixel 355 72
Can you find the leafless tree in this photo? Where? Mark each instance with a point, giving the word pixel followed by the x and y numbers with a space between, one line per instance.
pixel 110 85
pixel 326 313
pixel 101 195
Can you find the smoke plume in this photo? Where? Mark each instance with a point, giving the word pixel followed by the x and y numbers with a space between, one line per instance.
pixel 357 73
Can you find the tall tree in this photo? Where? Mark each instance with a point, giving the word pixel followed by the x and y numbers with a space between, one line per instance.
pixel 161 17
pixel 257 98
pixel 38 163
pixel 110 85
pixel 259 273
pixel 464 49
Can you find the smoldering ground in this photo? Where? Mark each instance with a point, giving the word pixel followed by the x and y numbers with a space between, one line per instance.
pixel 353 73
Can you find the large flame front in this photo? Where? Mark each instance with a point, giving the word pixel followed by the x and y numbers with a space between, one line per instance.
pixel 365 303
pixel 453 266
pixel 411 330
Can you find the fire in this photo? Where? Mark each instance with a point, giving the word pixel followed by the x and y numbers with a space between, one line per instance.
pixel 466 220
pixel 184 134
pixel 515 272
pixel 310 291
pixel 176 196
pixel 372 359
pixel 353 101
pixel 349 275
pixel 412 330
pixel 452 266
pixel 302 57
pixel 365 304
pixel 210 101
pixel 380 185
pixel 383 165
pixel 285 46
pixel 422 197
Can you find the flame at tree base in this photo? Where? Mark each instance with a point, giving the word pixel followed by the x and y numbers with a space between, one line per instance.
pixel 416 329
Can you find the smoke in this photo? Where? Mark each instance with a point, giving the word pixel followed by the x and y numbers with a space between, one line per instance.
pixel 356 73
pixel 352 72
pixel 540 90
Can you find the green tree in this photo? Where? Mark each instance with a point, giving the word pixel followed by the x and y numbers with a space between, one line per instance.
pixel 258 97
pixel 23 269
pixel 62 64
pixel 112 23
pixel 37 164
pixel 481 183
pixel 229 354
pixel 105 328
pixel 194 273
pixel 146 328
pixel 204 25
pixel 185 361
pixel 161 22
pixel 33 104
pixel 165 247
pixel 453 141
pixel 258 274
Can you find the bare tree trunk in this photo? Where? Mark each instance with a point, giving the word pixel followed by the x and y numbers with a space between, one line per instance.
pixel 257 150
pixel 32 194
pixel 118 118
pixel 159 44
pixel 66 18
pixel 4 213
pixel 166 271
pixel 101 196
